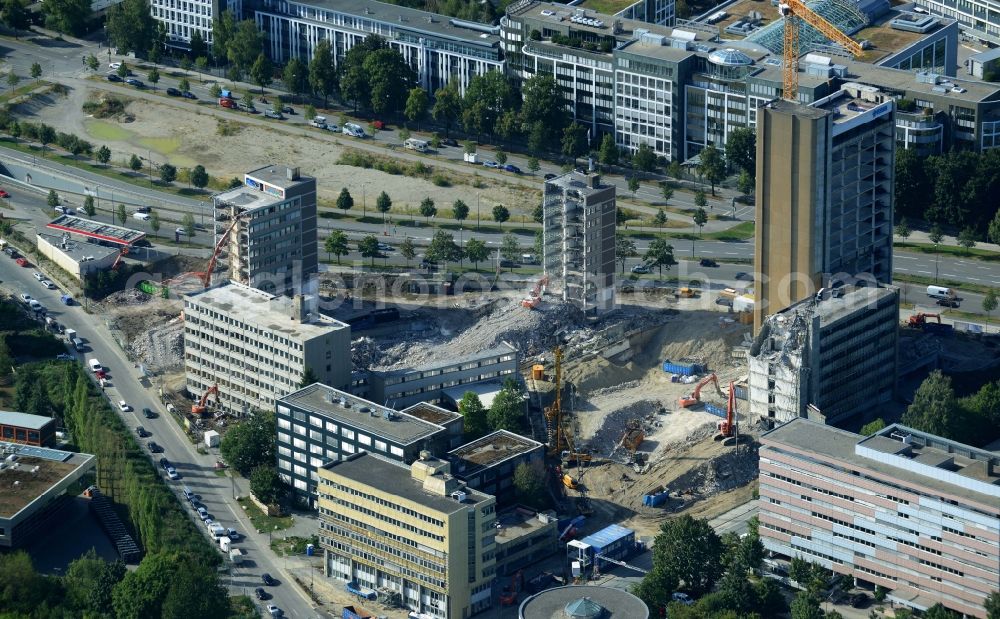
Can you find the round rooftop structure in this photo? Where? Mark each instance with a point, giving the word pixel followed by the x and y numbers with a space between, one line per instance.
pixel 730 57
pixel 583 602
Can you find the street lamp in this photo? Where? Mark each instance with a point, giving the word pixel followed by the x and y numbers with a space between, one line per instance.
pixel 364 199
pixel 477 212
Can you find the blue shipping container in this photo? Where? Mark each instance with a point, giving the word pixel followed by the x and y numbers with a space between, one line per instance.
pixel 741 393
pixel 614 541
pixel 715 410
pixel 684 369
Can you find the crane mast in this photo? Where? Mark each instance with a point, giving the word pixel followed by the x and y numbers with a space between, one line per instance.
pixel 795 12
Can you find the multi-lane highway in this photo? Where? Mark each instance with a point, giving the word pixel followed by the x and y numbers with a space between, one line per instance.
pixel 197 470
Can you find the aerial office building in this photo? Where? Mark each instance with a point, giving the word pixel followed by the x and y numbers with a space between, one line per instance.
pixel 902 509
pixel 272 245
pixel 256 347
pixel 824 207
pixel 182 18
pixel 829 359
pixel 413 533
pixel 578 228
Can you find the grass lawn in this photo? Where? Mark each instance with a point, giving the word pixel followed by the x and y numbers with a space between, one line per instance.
pixel 292 545
pixel 260 520
pixel 950 250
pixel 103 130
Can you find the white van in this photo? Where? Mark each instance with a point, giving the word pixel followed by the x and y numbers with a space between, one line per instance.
pixel 940 292
pixel 95 365
pixel 141 216
pixel 77 344
pixel 418 145
pixel 318 122
pixel 353 130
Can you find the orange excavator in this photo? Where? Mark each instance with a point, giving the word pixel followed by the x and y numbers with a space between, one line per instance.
pixel 918 320
pixel 508 597
pixel 694 398
pixel 727 427
pixel 535 295
pixel 201 407
pixel 121 254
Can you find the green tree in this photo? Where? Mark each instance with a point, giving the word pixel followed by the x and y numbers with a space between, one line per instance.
pixel 990 302
pixel 624 249
pixel 447 106
pixel 500 214
pixel 872 427
pixel 121 214
pixel 82 577
pixel 741 150
pixel 633 185
pixel 250 442
pixel 245 46
pixel 197 45
pixel 53 199
pixel 184 85
pixel 345 201
pixel 736 592
pixel 938 611
pixel 460 211
pixel 745 183
pixel 700 200
pixel 296 77
pixel 46 135
pixel 903 229
pixel 507 411
pixel 187 222
pixel 123 70
pixel 368 248
pixel 14 129
pixel 500 156
pixel 67 16
pixel 473 416
pixel 443 248
pixel 543 103
pixel 198 176
pixel 770 601
pixel 690 552
pixel 134 163
pixel 667 191
pixel 390 79
pixel 262 72
pixel 12 78
pixel 539 246
pixel 417 103
pixel 168 173
pixel 660 218
pixel 935 408
pixel 993 230
pixel 805 606
pixel 266 485
pixel 407 250
pixel 88 206
pixel 131 26
pixel 675 170
pixel 700 218
pixel 141 592
pixel 533 165
pixel 510 248
pixel 92 62
pixel 935 235
pixel 476 251
pixel 153 76
pixel 644 158
pixel 967 238
pixel 529 483
pixel 608 155
pixel 201 63
pixel 538 214
pixel 154 222
pixel 196 593
pixel 574 141
pixel 14 15
pixel 712 165
pixel 487 97
pixel 35 71
pixel 992 605
pixel 427 209
pixel 383 204
pixel 337 244
pixel 660 254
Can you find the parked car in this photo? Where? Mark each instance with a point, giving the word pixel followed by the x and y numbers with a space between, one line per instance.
pixel 744 276
pixel 36 306
pixel 164 463
pixel 173 92
pixel 948 302
pixel 274 611
pixel 683 598
pixel 549 176
pixel 332 127
pixel 181 231
pixel 187 94
pixel 64 357
pixel 227 102
pixel 385 247
pixel 724 301
pixel 48 284
pixel 123 406
pixel 491 164
pixel 154 448
pixel 708 262
pixel 287 109
pixel 114 77
pixel 131 81
pixel 509 264
pixel 172 474
pixel 22 262
pixel 640 269
pixel 378 124
pixel 25 297
pixel 274 114
pixel 203 514
pixel 267 580
pixel 38 276
pixel 141 432
pixel 148 414
pixel 114 66
pixel 4 194
pixel 512 168
pixel 449 142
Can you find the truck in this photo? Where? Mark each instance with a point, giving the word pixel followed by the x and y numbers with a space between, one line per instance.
pixel 941 292
pixel 354 588
pixel 612 542
pixel 318 121
pixel 743 303
pixel 70 334
pixel 211 438
pixel 418 145
pixel 353 130
pixel 66 299
pixel 355 612
pixel 217 530
pixel 236 556
pixel 225 543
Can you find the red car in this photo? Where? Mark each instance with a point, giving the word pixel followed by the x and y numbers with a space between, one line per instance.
pixel 4 194
pixel 378 124
pixel 22 262
pixel 225 102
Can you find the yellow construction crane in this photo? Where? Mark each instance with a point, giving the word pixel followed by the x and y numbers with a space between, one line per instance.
pixel 558 436
pixel 793 11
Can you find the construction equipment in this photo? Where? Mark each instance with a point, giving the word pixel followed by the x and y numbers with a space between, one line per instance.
pixel 201 407
pixel 508 597
pixel 793 11
pixel 727 427
pixel 695 397
pixel 121 254
pixel 558 436
pixel 206 276
pixel 569 482
pixel 631 438
pixel 535 295
pixel 920 319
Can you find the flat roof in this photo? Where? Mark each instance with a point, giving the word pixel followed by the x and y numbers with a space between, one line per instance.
pixel 898 79
pixel 357 412
pixel 562 14
pixel 496 351
pixel 246 198
pixel 837 444
pixel 432 413
pixel 24 420
pixel 831 309
pixel 393 478
pixel 580 182
pixel 278 175
pixel 488 451
pixel 76 250
pixel 551 603
pixel 518 522
pixel 53 466
pixel 95 229
pixel 845 106
pixel 402 17
pixel 486 392
pixel 987 56
pixel 253 306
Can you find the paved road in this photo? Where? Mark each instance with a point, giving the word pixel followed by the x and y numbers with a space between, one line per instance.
pixel 197 471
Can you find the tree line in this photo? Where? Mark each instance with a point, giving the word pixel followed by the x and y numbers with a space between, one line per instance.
pixel 936 409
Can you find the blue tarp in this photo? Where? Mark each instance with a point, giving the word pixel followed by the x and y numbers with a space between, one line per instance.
pixel 607 536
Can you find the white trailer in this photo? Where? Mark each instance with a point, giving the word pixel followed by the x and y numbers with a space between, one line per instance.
pixel 211 438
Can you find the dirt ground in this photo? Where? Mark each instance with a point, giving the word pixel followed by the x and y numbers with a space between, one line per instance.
pixel 185 137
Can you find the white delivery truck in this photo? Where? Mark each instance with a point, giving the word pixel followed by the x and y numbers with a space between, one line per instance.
pixel 941 292
pixel 95 365
pixel 418 145
pixel 211 438
pixel 318 122
pixel 236 555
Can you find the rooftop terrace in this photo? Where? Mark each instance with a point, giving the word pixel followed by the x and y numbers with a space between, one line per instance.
pixel 33 473
pixel 489 450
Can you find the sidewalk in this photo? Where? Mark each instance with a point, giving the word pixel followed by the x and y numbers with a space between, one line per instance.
pixel 919 236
